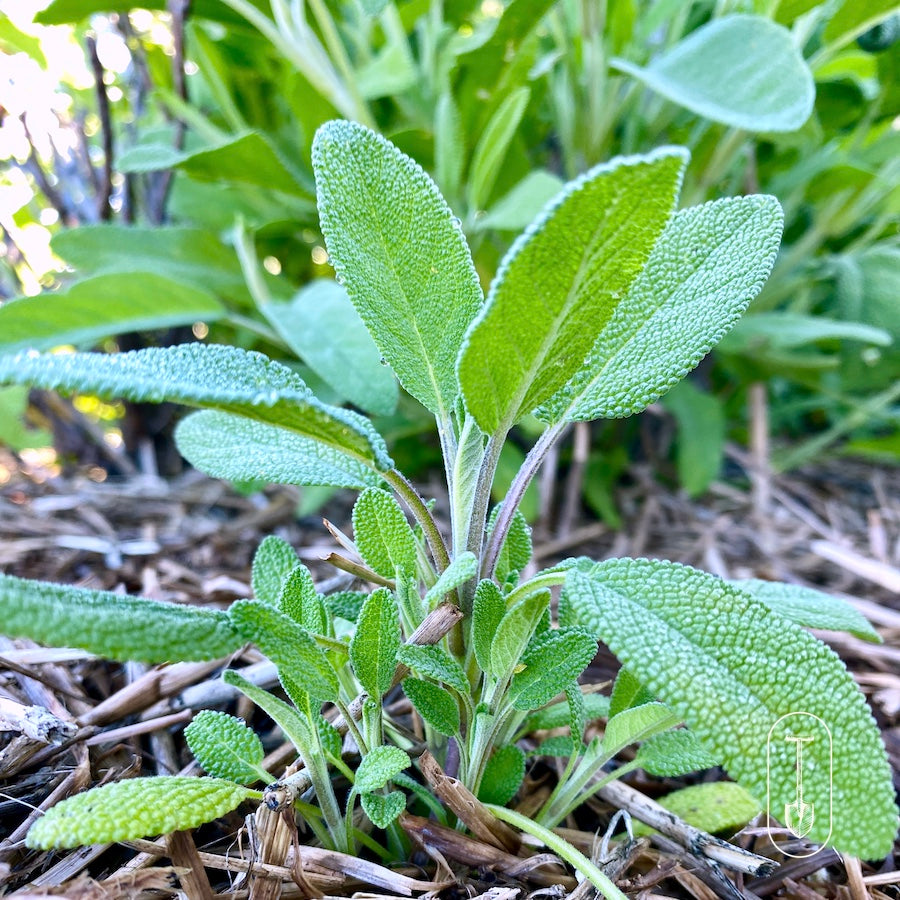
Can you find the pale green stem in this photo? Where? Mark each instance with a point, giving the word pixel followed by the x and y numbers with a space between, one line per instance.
pixel 576 790
pixel 561 848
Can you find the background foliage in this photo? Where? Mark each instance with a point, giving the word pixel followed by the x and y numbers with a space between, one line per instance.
pixel 172 170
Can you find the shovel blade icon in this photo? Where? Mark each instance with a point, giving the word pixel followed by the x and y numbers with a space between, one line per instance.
pixel 799 816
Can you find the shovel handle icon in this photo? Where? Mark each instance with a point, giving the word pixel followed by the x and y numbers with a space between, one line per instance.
pixel 799 814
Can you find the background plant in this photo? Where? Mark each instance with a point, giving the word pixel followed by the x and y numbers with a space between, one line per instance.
pixel 501 104
pixel 636 295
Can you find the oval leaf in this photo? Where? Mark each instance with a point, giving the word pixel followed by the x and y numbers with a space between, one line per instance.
pixel 373 649
pixel 382 534
pixel 741 70
pixel 225 747
pixel 133 809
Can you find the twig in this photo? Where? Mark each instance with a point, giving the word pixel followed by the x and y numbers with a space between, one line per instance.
pixel 104 210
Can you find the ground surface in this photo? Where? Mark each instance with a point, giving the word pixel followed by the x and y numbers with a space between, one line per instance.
pixel 191 539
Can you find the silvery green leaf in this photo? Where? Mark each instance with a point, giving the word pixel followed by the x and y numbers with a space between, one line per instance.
pixel 289 646
pixel 552 661
pixel 560 282
pixel 503 775
pixel 113 625
pixel 742 70
pixel 434 704
pixel 514 632
pixel 635 724
pixel 488 608
pixel 674 753
pixel 708 264
pixel 373 649
pixel 273 561
pixel 382 533
pixel 383 809
pixel 300 601
pixel 464 567
pixel 712 807
pixel 627 691
pixel 225 747
pixel 516 551
pixel 810 608
pixel 402 257
pixel 323 328
pixel 555 745
pixel 135 808
pixel 578 714
pixel 378 767
pixel 516 209
pixel 435 662
pixel 329 737
pixel 733 669
pixel 558 715
pixel 346 604
pixel 209 376
pixel 227 446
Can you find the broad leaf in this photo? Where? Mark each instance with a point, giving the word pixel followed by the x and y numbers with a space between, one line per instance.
pixel 133 809
pixel 514 632
pixel 674 753
pixel 405 263
pixel 733 669
pixel 551 663
pixel 503 775
pixel 224 445
pixel 225 747
pixel 210 376
pixel 709 263
pixel 112 625
pixel 273 561
pixel 382 534
pixel 101 306
pixel 810 608
pixel 715 806
pixel 373 649
pixel 464 567
pixel 560 282
pixel 741 70
pixel 434 704
pixel 488 608
pixel 383 809
pixel 435 662
pixel 292 649
pixel 637 724
pixel 300 601
pixel 378 767
pixel 322 327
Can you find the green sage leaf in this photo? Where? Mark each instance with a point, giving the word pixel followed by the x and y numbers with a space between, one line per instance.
pixel 403 260
pixel 373 649
pixel 744 71
pixel 378 767
pixel 112 625
pixel 225 747
pixel 560 282
pixel 635 724
pixel 709 263
pixel 435 662
pixel 300 601
pixel 516 551
pixel 674 753
pixel 382 533
pixel 464 567
pixel 133 809
pixel 733 669
pixel 435 705
pixel 488 608
pixel 627 692
pixel 273 561
pixel 503 775
pixel 715 806
pixel 514 632
pixel 210 376
pixel 383 809
pixel 552 661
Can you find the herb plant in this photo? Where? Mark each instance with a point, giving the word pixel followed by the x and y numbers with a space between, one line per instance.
pixel 605 302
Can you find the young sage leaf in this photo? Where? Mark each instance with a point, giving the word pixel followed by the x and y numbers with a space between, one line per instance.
pixel 225 747
pixel 515 553
pixel 273 561
pixel 383 809
pixel 514 632
pixel 112 625
pixel 636 724
pixel 674 753
pixel 434 704
pixel 378 767
pixel 400 254
pixel 503 775
pixel 299 600
pixel 551 662
pixel 374 646
pixel 133 809
pixel 732 668
pixel 560 282
pixel 382 534
pixel 464 567
pixel 435 662
pixel 488 608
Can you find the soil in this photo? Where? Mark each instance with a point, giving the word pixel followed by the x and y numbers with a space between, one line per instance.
pixel 835 526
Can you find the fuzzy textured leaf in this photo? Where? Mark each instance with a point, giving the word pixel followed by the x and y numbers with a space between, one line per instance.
pixel 239 449
pixel 373 649
pixel 732 668
pixel 378 767
pixel 133 809
pixel 810 608
pixel 674 753
pixel 273 561
pixel 741 70
pixel 514 632
pixel 709 263
pixel 558 715
pixel 225 747
pixel 383 809
pixel 488 608
pixel 627 691
pixel 464 567
pixel 715 806
pixel 300 600
pixel 635 724
pixel 435 662
pixel 112 625
pixel 403 260
pixel 435 705
pixel 95 308
pixel 209 376
pixel 290 647
pixel 503 775
pixel 551 662
pixel 382 533
pixel 516 551
pixel 516 209
pixel 323 328
pixel 560 282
